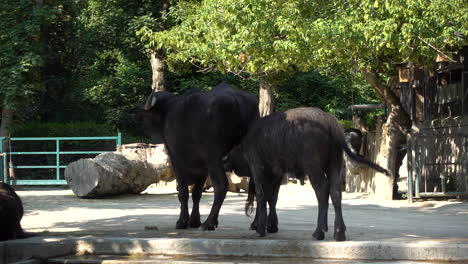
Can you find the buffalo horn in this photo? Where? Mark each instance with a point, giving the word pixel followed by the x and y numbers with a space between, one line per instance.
pixel 151 101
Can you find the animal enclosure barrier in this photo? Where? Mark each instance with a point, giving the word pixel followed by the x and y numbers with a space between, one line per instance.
pixel 7 155
pixel 438 142
pixel 438 166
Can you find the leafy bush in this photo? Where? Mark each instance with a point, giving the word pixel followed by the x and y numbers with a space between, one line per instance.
pixel 346 123
pixel 72 129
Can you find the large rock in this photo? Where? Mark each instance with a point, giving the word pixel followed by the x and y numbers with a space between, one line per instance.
pixel 130 170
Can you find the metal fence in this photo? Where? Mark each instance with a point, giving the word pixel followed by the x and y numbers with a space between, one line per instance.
pixel 437 166
pixel 5 156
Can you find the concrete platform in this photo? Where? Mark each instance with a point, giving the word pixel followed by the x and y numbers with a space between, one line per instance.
pixel 144 224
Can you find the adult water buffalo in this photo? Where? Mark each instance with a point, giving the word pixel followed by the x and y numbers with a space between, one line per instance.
pixel 11 212
pixel 301 141
pixel 198 129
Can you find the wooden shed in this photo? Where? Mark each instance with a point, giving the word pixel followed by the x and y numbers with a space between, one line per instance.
pixel 438 141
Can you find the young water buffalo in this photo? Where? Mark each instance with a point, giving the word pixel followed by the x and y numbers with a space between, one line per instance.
pixel 301 141
pixel 11 212
pixel 198 129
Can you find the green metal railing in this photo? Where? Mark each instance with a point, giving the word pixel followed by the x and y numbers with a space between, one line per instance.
pixel 4 166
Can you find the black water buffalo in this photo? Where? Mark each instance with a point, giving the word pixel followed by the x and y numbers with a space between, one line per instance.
pixel 301 141
pixel 198 129
pixel 11 212
pixel 353 137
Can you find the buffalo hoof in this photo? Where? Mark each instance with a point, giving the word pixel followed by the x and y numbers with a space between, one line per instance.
pixel 261 233
pixel 253 226
pixel 182 224
pixel 339 236
pixel 272 229
pixel 195 223
pixel 319 235
pixel 209 226
pixel 26 235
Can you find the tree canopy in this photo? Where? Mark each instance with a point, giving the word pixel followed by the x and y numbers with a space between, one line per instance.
pixel 266 36
pixel 20 53
pixel 82 60
pixel 258 37
pixel 272 39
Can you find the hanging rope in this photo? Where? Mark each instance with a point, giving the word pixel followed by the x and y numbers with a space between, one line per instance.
pixel 11 170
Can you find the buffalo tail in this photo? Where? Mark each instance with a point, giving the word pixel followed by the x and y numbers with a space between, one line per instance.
pixel 250 197
pixel 360 159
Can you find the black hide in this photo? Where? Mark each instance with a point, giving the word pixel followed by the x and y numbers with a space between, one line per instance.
pixel 198 129
pixel 11 212
pixel 301 141
pixel 353 137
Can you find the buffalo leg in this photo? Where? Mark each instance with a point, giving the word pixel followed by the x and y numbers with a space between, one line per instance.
pixel 254 224
pixel 251 190
pixel 272 216
pixel 182 191
pixel 272 226
pixel 335 175
pixel 196 197
pixel 321 187
pixel 183 195
pixel 220 185
pixel 340 227
pixel 261 209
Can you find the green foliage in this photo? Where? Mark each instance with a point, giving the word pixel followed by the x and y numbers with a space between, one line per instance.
pixel 70 129
pixel 116 84
pixel 333 94
pixel 115 73
pixel 179 83
pixel 378 33
pixel 274 39
pixel 82 60
pixel 20 51
pixel 60 99
pixel 259 37
pixel 346 123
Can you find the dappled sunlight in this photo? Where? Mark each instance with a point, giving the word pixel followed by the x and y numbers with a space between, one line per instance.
pixel 59 213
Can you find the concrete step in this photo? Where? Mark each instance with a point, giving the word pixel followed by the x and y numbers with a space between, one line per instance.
pixel 140 259
pixel 50 248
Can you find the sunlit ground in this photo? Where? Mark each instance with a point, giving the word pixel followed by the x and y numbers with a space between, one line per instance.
pixel 58 212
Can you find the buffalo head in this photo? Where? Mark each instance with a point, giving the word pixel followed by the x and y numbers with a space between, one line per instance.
pixel 151 114
pixel 236 161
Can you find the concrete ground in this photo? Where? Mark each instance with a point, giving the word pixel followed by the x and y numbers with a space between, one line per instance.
pixel 144 224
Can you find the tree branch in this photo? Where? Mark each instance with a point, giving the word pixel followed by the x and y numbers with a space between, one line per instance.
pixel 438 50
pixel 388 96
pixel 380 86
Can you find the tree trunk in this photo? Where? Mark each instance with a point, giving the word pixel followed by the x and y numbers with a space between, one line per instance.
pixel 392 137
pixel 130 171
pixel 157 58
pixel 393 132
pixel 7 122
pixel 266 99
pixel 158 68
